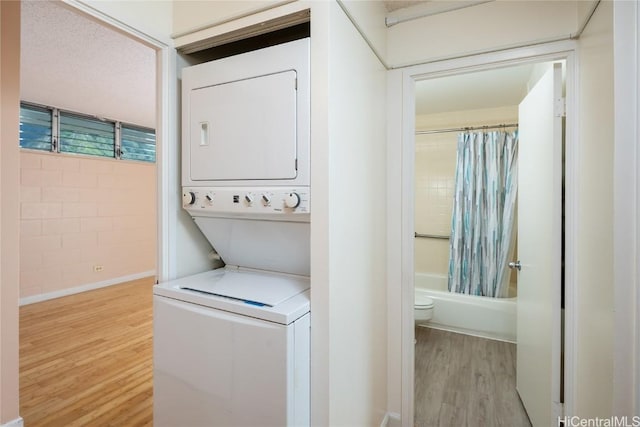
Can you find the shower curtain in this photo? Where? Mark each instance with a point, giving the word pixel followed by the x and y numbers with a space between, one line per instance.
pixel 482 227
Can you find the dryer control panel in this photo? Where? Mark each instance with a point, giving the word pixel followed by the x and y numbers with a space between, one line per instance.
pixel 272 202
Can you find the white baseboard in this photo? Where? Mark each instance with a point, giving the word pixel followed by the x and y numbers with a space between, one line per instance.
pixel 84 288
pixel 18 422
pixel 391 419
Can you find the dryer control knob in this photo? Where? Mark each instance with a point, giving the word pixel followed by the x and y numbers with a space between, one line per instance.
pixel 249 198
pixel 188 198
pixel 292 200
pixel 266 199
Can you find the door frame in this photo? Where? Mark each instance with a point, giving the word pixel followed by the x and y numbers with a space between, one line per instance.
pixel 401 91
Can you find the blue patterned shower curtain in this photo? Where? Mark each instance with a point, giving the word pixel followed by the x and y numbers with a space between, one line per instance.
pixel 483 219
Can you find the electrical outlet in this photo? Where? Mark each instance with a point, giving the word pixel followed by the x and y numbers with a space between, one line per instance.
pixel 98 268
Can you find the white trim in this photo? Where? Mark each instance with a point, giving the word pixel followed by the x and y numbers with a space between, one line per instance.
pixel 167 176
pixel 625 208
pixel 18 422
pixel 88 287
pixel 571 161
pixel 394 221
pixel 545 52
pixel 407 251
pixel 116 23
pixel 636 387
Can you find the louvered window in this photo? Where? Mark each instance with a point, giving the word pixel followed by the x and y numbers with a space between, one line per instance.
pixel 36 128
pixel 51 129
pixel 137 143
pixel 85 135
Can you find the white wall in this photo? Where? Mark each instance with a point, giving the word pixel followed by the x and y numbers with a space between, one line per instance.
pixel 369 17
pixel 397 264
pixel 357 185
pixel 486 27
pixel 626 195
pixel 348 287
pixel 594 260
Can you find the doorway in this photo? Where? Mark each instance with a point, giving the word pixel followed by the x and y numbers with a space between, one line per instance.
pixel 528 63
pixel 100 219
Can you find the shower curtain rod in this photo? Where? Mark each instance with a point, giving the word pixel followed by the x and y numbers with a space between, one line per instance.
pixel 427 132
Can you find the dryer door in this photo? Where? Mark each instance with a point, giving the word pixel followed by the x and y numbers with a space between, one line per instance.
pixel 244 130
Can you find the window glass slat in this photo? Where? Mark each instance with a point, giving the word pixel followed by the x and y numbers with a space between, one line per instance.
pixel 86 135
pixel 35 127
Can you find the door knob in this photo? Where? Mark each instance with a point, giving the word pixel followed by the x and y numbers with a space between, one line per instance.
pixel 516 264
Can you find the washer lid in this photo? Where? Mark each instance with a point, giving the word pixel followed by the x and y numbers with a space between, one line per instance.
pixel 248 286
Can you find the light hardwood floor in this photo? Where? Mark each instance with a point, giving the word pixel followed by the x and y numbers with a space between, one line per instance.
pixel 462 380
pixel 86 359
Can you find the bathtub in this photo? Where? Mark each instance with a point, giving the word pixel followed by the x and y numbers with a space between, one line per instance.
pixel 485 317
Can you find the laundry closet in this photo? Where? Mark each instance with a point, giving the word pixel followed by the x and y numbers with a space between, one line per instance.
pixel 309 217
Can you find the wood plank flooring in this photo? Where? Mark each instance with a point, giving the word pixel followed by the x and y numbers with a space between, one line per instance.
pixel 86 359
pixel 462 380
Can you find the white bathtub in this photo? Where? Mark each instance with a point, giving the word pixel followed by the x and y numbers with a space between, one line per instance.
pixel 486 317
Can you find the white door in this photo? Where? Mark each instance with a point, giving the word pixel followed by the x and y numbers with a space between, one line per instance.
pixel 539 248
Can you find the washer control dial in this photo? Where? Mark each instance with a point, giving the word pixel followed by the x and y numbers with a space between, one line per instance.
pixel 188 198
pixel 266 199
pixel 249 198
pixel 292 200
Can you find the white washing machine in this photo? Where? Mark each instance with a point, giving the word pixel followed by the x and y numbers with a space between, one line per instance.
pixel 231 346
pixel 238 359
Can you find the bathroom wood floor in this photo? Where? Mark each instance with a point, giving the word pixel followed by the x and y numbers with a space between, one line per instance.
pixel 86 359
pixel 462 380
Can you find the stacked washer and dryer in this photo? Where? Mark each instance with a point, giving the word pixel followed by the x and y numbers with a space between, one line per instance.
pixel 231 345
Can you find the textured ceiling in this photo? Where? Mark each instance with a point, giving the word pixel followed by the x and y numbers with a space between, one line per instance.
pixel 72 62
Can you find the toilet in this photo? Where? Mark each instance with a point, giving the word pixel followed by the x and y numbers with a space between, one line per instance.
pixel 422 309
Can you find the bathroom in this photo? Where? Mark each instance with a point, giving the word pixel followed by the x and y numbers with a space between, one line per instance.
pixel 460 332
